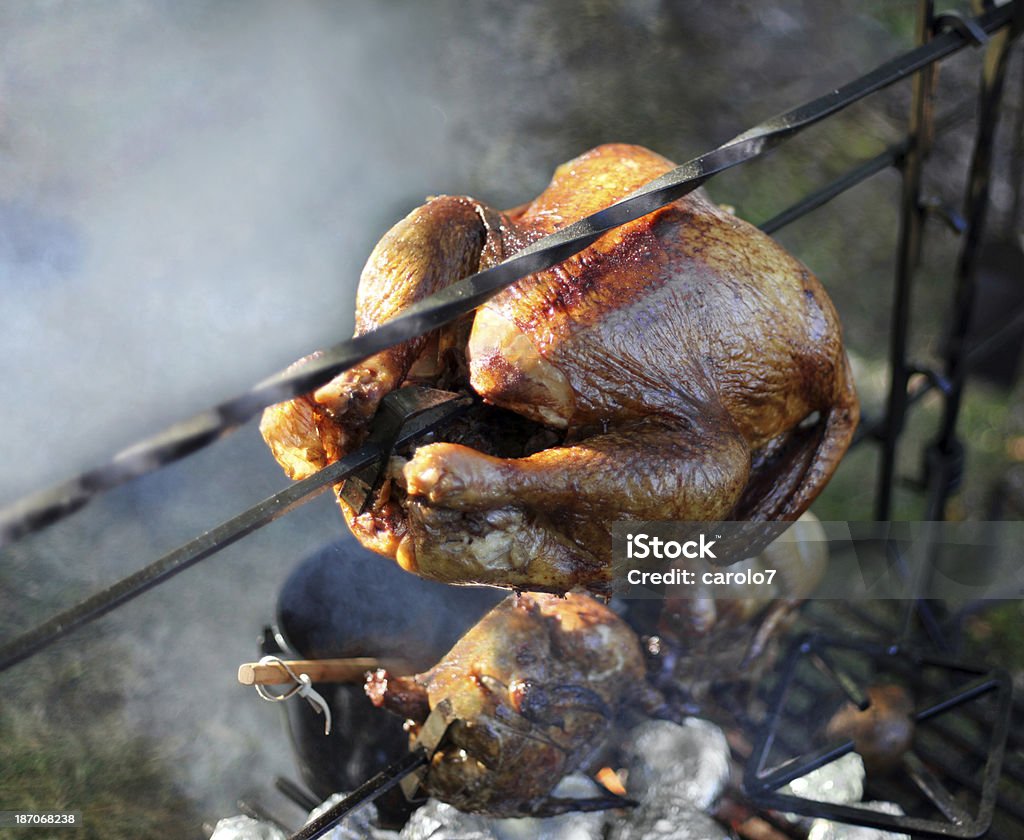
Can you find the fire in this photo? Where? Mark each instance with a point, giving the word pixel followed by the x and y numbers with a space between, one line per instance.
pixel 611 781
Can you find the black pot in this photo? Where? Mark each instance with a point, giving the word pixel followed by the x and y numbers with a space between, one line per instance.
pixel 345 601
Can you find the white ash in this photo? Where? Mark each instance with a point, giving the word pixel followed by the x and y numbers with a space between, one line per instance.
pixel 839 782
pixel 246 828
pixel 572 826
pixel 675 771
pixel 357 826
pixel 684 764
pixel 652 821
pixel 827 830
pixel 436 820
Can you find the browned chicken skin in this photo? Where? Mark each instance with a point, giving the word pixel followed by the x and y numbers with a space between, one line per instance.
pixel 533 688
pixel 684 366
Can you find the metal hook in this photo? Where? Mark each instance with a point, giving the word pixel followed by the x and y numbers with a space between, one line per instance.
pixel 965 26
pixel 302 686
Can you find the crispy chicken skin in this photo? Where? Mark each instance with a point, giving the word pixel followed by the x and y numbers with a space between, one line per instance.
pixel 533 688
pixel 686 365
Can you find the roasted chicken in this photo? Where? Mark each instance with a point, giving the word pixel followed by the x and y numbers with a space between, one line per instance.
pixel 684 366
pixel 533 689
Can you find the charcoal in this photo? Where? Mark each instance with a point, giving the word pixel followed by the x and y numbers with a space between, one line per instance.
pixel 572 826
pixel 653 821
pixel 826 830
pixel 357 826
pixel 438 821
pixel 246 828
pixel 838 782
pixel 686 764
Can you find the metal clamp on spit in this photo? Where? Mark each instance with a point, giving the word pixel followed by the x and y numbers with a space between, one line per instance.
pixel 301 685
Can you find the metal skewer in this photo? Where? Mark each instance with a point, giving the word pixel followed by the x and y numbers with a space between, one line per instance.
pixel 380 784
pixel 423 409
pixel 407 771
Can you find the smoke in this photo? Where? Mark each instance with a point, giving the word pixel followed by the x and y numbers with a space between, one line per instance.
pixel 187 194
pixel 189 191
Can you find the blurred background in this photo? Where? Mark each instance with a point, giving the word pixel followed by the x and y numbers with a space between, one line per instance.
pixel 188 191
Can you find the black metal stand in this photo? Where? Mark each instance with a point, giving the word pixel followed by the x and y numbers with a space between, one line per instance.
pixel 762 784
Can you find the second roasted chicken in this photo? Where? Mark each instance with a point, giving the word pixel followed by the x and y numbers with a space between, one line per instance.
pixel 531 691
pixel 682 367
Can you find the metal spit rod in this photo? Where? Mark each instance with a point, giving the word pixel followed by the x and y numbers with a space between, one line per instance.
pixel 423 410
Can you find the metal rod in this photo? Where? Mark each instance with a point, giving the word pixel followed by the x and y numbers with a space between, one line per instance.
pixel 845 682
pixel 947 448
pixel 1000 335
pixel 937 756
pixel 911 221
pixel 299 795
pixel 801 765
pixel 894 155
pixel 889 791
pixel 42 509
pixel 836 623
pixel 380 784
pixel 996 337
pixel 944 733
pixel 1014 219
pixel 124 590
pixel 181 558
pixel 825 194
pixel 931 786
pixel 974 689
